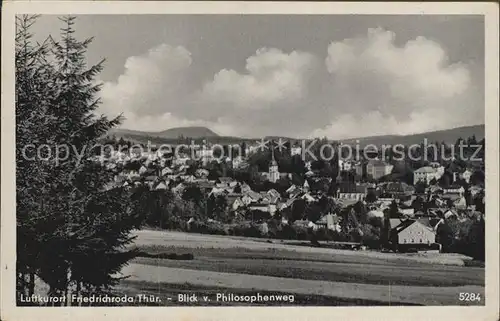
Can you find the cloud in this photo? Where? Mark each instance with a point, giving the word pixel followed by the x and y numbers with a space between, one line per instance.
pixel 375 123
pixel 150 84
pixel 368 85
pixel 154 92
pixel 272 76
pixel 381 88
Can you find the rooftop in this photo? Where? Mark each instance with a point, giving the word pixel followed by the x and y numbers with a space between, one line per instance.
pixel 426 169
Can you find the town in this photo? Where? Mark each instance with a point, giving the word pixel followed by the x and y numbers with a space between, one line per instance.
pixel 276 192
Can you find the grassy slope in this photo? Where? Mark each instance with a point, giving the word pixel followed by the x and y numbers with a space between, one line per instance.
pixel 345 277
pixel 340 272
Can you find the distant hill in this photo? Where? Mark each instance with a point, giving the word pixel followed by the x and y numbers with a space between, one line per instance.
pixel 448 136
pixel 170 136
pixel 172 133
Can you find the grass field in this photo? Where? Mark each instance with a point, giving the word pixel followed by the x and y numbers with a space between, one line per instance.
pixel 316 276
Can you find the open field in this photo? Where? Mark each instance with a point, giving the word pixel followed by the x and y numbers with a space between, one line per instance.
pixel 317 276
pixel 161 240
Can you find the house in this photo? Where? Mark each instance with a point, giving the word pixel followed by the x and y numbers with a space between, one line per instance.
pixel 398 189
pixel 234 201
pixel 205 154
pixel 308 197
pixel 409 211
pixel 377 169
pixel 132 174
pixel 310 174
pixel 360 169
pixel 433 189
pixel 202 173
pixel 181 160
pixel 345 165
pixel 264 197
pixel 295 150
pixel 302 223
pixel 427 173
pixel 247 199
pixel 182 169
pixel 291 189
pixel 386 200
pixel 412 234
pixel 166 171
pixel 216 191
pixel 160 186
pixel 460 203
pixel 205 186
pixel 346 202
pixel 306 186
pixel 179 189
pixel 245 187
pixel 352 191
pixel 440 202
pixel 454 189
pixel 142 170
pixel 273 194
pixel 375 213
pixel 251 195
pixel 466 175
pixel 287 204
pixel 450 214
pixel 330 221
pixel 263 207
pixel 474 190
pixel 188 178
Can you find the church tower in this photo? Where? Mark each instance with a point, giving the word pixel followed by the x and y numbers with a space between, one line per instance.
pixel 274 174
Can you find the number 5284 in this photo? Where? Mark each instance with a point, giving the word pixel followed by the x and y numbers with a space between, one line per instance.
pixel 469 296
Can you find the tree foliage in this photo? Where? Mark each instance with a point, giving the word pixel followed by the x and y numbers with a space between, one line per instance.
pixel 72 230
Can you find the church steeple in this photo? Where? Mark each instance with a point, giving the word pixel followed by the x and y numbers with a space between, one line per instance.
pixel 274 174
pixel 273 161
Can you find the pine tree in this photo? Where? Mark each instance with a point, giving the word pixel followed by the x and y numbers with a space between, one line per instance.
pixel 32 92
pixel 77 233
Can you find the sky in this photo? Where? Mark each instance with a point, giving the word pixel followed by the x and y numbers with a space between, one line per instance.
pixel 339 76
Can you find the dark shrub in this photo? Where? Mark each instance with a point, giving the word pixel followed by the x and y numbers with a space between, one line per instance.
pixel 251 231
pixel 169 256
pixel 287 232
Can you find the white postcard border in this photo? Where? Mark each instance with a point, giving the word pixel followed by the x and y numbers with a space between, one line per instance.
pixel 10 312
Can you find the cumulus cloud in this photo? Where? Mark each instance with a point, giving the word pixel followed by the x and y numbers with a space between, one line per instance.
pixel 154 91
pixel 271 76
pixel 375 123
pixel 151 85
pixel 368 85
pixel 381 88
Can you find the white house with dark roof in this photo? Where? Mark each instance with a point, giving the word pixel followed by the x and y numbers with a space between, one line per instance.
pixel 427 173
pixel 377 169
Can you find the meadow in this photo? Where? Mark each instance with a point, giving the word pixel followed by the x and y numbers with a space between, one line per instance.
pixel 317 276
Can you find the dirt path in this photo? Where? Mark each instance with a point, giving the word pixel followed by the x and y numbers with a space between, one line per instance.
pixel 413 294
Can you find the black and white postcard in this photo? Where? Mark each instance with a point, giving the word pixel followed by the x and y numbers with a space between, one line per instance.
pixel 249 160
